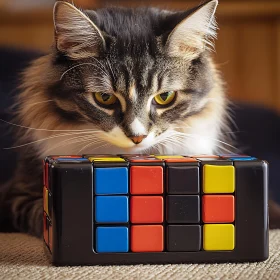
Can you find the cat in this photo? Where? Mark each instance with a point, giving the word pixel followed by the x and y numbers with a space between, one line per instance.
pixel 117 80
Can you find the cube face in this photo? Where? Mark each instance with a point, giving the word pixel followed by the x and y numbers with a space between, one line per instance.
pixel 179 214
pixel 146 180
pixel 146 209
pixel 111 209
pixel 183 209
pixel 183 238
pixel 218 179
pixel 111 180
pixel 147 238
pixel 218 237
pixel 218 209
pixel 112 239
pixel 183 180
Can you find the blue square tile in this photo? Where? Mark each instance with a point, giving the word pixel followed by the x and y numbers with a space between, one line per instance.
pixel 111 239
pixel 111 180
pixel 242 158
pixel 111 209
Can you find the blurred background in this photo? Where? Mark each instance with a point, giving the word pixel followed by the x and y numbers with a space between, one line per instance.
pixel 247 49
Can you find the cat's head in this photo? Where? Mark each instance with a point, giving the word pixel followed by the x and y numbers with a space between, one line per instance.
pixel 134 74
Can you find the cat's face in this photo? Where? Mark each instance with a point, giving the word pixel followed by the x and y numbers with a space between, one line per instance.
pixel 135 100
pixel 134 75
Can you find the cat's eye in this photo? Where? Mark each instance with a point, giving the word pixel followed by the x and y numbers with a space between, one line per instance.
pixel 105 98
pixel 165 98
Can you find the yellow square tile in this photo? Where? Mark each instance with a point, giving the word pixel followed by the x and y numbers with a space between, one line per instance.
pixel 218 178
pixel 218 237
pixel 113 159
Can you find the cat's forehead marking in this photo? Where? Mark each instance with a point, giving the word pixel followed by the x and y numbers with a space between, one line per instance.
pixel 132 94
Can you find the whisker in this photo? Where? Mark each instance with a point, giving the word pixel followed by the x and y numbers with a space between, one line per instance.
pixel 180 139
pixel 44 129
pixel 84 147
pixel 162 143
pixel 44 139
pixel 216 145
pixel 82 64
pixel 88 145
pixel 106 144
pixel 71 141
pixel 110 66
pixel 99 63
pixel 78 141
pixel 156 147
pixel 200 136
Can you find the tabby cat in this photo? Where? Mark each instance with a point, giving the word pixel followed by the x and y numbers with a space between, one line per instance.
pixel 117 80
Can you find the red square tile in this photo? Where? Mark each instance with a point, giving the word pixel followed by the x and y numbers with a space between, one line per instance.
pixel 218 209
pixel 146 180
pixel 147 238
pixel 146 209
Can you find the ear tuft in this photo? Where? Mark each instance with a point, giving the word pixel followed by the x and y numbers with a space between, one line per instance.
pixel 76 35
pixel 195 33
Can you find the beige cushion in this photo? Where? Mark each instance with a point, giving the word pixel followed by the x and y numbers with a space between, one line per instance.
pixel 23 257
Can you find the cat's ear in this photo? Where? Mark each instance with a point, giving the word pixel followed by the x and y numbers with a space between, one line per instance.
pixel 75 34
pixel 195 33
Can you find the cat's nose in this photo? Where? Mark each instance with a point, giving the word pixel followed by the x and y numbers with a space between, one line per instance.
pixel 137 139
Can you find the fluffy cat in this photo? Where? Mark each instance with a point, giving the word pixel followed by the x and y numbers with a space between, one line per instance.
pixel 117 80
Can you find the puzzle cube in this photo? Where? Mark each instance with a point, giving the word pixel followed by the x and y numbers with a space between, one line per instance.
pixel 131 209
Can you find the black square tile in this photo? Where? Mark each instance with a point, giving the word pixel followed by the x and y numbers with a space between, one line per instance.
pixel 183 238
pixel 183 209
pixel 183 180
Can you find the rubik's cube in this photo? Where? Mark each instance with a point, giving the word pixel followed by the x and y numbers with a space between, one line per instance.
pixel 129 209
